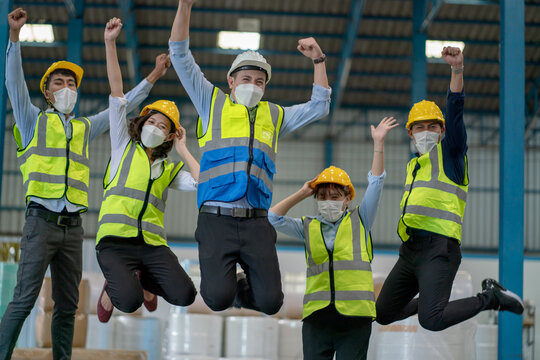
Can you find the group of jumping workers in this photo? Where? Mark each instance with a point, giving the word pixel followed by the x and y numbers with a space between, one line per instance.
pixel 237 134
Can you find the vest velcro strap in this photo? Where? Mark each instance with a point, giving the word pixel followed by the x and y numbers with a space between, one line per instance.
pixel 438 185
pixel 355 295
pixel 434 213
pixel 317 296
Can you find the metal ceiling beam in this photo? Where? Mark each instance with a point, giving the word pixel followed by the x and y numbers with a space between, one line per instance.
pixel 132 41
pixel 511 173
pixel 5 9
pixel 75 34
pixel 435 7
pixel 419 61
pixel 344 65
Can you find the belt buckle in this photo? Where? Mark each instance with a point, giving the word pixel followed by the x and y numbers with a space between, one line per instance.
pixel 59 220
pixel 239 212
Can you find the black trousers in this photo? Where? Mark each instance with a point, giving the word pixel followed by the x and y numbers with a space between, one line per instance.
pixel 45 243
pixel 225 241
pixel 326 332
pixel 160 273
pixel 426 266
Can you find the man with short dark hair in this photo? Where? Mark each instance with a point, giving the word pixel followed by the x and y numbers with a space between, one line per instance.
pixel 52 149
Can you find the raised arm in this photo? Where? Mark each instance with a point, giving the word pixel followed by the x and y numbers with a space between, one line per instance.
pixel 180 28
pixel 112 30
pixel 182 150
pixel 283 207
pixel 454 57
pixel 379 134
pixel 312 50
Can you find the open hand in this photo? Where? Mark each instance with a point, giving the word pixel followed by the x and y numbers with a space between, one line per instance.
pixel 180 139
pixel 453 56
pixel 306 189
pixel 112 29
pixel 379 133
pixel 309 48
pixel 16 19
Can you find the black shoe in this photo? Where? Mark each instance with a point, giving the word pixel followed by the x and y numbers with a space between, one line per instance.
pixel 503 299
pixel 242 289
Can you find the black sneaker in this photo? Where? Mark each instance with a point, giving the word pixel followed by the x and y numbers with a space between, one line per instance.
pixel 242 289
pixel 504 299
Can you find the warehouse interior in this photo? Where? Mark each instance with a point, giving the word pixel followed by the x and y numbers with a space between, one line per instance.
pixel 377 65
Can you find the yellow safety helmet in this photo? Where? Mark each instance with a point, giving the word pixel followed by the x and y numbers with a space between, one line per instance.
pixel 424 110
pixel 167 108
pixel 62 65
pixel 334 175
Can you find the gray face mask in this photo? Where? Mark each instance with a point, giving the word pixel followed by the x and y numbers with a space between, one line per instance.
pixel 151 136
pixel 65 100
pixel 425 141
pixel 331 210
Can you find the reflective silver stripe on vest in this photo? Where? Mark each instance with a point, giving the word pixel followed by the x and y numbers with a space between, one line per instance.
pixel 339 296
pixel 242 141
pixel 338 265
pixel 55 179
pixel 41 148
pixel 310 261
pixel 232 167
pixel 123 219
pixel 121 189
pixel 434 183
pixel 434 213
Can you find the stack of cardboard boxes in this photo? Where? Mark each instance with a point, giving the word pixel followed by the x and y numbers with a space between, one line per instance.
pixel 45 312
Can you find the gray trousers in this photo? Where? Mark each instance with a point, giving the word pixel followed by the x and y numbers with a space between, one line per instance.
pixel 45 243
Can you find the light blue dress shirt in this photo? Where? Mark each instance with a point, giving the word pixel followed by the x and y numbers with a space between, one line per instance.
pixel 26 114
pixel 200 91
pixel 368 210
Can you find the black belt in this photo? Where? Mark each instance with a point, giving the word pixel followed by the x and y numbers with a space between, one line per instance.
pixel 58 219
pixel 234 212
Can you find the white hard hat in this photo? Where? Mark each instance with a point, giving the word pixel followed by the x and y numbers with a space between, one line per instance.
pixel 251 60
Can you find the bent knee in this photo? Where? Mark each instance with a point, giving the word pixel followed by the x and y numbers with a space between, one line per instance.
pixel 432 324
pixel 270 305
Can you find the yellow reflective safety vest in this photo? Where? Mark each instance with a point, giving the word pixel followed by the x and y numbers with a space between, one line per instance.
pixel 238 153
pixel 343 276
pixel 431 200
pixel 133 203
pixel 54 163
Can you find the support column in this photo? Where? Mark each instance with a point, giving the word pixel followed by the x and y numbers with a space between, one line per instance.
pixel 511 215
pixel 419 61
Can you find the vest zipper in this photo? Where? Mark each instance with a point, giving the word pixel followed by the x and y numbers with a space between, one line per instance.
pixel 251 139
pixel 415 171
pixel 68 140
pixel 145 205
pixel 330 270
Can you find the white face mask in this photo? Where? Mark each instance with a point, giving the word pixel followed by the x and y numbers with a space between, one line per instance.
pixel 248 94
pixel 151 136
pixel 331 210
pixel 65 100
pixel 425 141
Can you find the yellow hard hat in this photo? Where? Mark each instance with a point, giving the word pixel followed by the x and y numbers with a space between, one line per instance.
pixel 334 175
pixel 424 110
pixel 62 65
pixel 167 108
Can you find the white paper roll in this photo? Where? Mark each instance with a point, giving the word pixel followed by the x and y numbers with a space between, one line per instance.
pixel 290 339
pixel 486 342
pixel 100 335
pixel 139 333
pixel 251 337
pixel 462 286
pixel 193 334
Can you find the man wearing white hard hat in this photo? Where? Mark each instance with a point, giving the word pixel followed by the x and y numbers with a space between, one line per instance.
pixel 238 136
pixel 53 156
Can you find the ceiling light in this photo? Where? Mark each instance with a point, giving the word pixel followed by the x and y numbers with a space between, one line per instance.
pixel 435 47
pixel 239 40
pixel 37 33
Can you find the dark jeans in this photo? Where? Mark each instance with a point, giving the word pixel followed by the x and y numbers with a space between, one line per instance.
pixel 426 266
pixel 326 332
pixel 160 273
pixel 225 241
pixel 45 243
